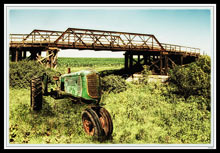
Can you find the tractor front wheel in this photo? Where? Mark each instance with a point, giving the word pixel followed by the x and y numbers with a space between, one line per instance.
pixel 97 122
pixel 106 121
pixel 91 123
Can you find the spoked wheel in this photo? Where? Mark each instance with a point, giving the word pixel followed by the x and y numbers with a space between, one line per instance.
pixel 106 121
pixel 91 123
pixel 97 122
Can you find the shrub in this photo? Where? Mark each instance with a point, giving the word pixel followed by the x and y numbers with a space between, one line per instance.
pixel 113 83
pixel 145 72
pixel 20 73
pixel 193 79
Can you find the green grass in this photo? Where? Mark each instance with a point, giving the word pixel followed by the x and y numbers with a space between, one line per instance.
pixel 91 62
pixel 143 114
pixel 99 64
pixel 58 122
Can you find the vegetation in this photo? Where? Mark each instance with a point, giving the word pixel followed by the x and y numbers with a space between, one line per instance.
pixel 21 73
pixel 193 79
pixel 90 62
pixel 142 113
pixel 113 83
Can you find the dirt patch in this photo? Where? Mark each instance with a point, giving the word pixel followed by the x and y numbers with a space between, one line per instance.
pixel 151 78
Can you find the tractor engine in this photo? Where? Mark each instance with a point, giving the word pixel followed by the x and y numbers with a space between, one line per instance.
pixel 84 84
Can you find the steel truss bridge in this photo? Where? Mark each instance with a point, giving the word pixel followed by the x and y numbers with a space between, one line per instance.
pixel 159 56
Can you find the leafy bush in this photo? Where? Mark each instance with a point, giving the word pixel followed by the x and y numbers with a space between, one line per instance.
pixel 193 79
pixel 204 63
pixel 113 83
pixel 20 73
pixel 145 72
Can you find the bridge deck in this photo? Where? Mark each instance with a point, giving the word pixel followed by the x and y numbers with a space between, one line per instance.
pixel 74 38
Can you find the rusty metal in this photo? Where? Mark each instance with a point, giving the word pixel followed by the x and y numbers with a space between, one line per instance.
pixel 92 81
pixel 68 70
pixel 106 121
pixel 75 38
pixel 88 126
pixel 97 120
pixel 88 39
pixel 91 123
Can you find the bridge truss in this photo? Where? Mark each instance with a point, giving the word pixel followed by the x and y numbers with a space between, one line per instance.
pixel 159 56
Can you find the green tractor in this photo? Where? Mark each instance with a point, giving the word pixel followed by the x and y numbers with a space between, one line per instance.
pixel 83 86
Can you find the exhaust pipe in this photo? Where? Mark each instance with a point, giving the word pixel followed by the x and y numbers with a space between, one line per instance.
pixel 68 70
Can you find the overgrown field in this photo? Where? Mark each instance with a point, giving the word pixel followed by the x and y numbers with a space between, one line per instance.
pixel 98 64
pixel 142 112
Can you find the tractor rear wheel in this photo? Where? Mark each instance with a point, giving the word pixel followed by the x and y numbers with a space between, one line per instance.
pixel 36 93
pixel 91 123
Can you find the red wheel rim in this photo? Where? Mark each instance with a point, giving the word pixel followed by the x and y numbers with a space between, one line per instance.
pixel 88 127
pixel 104 124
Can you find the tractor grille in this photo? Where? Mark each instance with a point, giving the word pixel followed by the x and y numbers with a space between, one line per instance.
pixel 93 82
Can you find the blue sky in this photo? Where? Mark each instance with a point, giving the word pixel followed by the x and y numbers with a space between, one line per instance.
pixel 188 27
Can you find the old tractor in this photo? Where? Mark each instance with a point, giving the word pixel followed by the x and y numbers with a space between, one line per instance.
pixel 83 86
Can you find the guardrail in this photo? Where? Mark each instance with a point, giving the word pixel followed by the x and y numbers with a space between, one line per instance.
pixel 178 48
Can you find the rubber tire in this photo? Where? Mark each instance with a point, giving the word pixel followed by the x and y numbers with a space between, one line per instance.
pixel 104 113
pixel 93 117
pixel 36 93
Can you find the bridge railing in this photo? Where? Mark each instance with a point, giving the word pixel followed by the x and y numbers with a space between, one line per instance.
pixel 178 48
pixel 31 39
pixel 35 37
pixel 97 39
pixel 17 38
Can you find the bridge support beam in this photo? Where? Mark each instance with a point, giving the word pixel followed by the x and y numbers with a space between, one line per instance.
pixel 51 58
pixel 161 64
pixel 18 55
pixel 39 53
pixel 166 64
pixel 33 55
pixel 24 54
pixel 13 54
pixel 139 61
pixel 145 59
pixel 130 61
pixel 158 62
pixel 126 61
pixel 48 63
pixel 181 60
